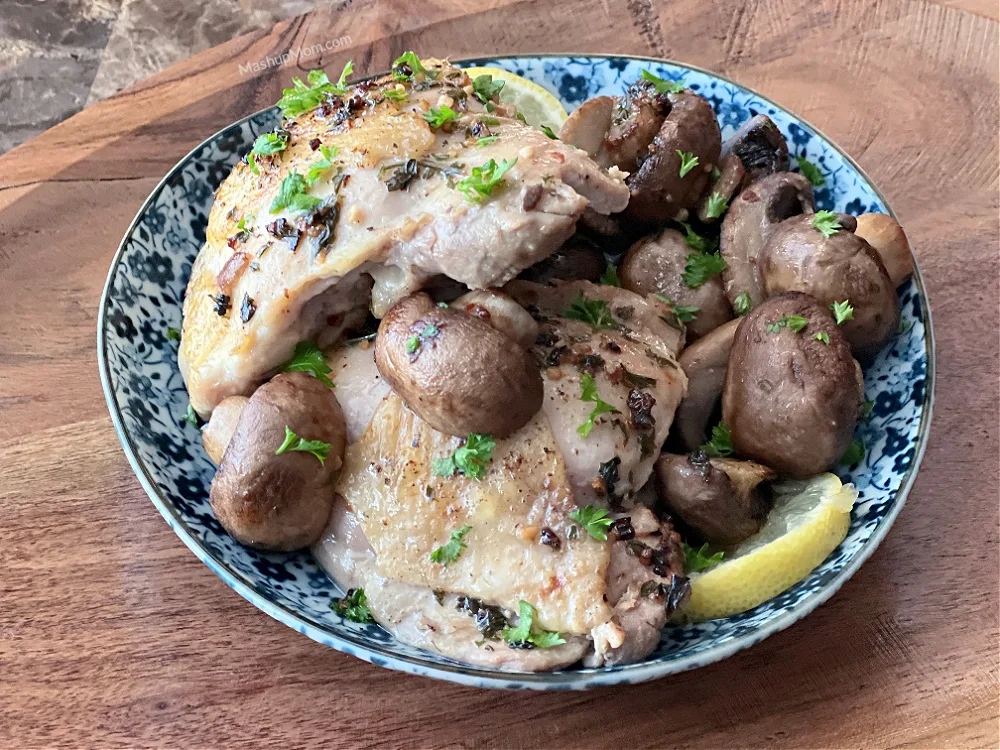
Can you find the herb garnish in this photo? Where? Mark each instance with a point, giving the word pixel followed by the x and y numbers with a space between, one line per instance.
pixel 480 184
pixel 721 444
pixel 526 634
pixel 595 312
pixel 716 205
pixel 173 334
pixel 700 267
pixel 319 167
pixel 397 95
pixel 548 131
pixel 826 222
pixel 662 85
pixel 191 416
pixel 449 552
pixel 696 560
pixel 742 304
pixel 486 140
pixel 595 521
pixel 302 98
pixel 842 311
pixel 866 410
pixel 588 392
pixel 854 454
pixel 308 358
pixel 610 276
pixel 694 240
pixel 823 336
pixel 292 194
pixel 683 313
pixel 353 607
pixel 810 171
pixel 295 443
pixel 688 161
pixel 486 88
pixel 471 459
pixel 793 322
pixel 438 117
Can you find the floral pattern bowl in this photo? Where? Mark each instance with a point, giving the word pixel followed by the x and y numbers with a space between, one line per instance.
pixel 141 306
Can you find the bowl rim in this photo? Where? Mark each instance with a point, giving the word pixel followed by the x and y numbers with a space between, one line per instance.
pixel 478 676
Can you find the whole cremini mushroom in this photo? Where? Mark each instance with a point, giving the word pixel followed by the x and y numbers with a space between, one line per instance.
pixel 705 363
pixel 722 187
pixel 456 372
pixel 886 236
pixel 760 146
pixel 821 256
pixel 793 392
pixel 749 222
pixel 722 499
pixel 273 488
pixel 501 312
pixel 655 265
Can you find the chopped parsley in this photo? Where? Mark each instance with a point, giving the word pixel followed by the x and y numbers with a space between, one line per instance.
pixel 526 634
pixel 449 552
pixel 486 140
pixel 866 410
pixel 826 222
pixel 595 521
pixel 191 416
pixel 688 162
pixel 697 560
pixel 854 454
pixel 842 311
pixel 588 392
pixel 721 444
pixel 610 276
pixel 173 334
pixel 810 171
pixel 694 240
pixel 480 184
pixel 270 143
pixel 663 85
pixel 407 61
pixel 595 312
pixel 823 336
pixel 742 304
pixel 319 167
pixel 700 267
pixel 438 117
pixel 241 225
pixel 684 313
pixel 716 205
pixel 486 88
pixel 295 443
pixel 308 358
pixel 548 131
pixel 292 194
pixel 470 459
pixel 353 607
pixel 793 322
pixel 397 95
pixel 302 97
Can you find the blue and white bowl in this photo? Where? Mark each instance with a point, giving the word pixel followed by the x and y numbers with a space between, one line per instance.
pixel 146 396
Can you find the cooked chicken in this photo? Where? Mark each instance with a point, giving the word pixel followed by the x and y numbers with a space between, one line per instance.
pixel 372 187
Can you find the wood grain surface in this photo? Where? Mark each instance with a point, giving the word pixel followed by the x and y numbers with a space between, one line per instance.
pixel 112 634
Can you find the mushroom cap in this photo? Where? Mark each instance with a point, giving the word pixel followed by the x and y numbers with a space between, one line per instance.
pixel 705 363
pixel 799 258
pixel 790 400
pixel 760 146
pixel 888 239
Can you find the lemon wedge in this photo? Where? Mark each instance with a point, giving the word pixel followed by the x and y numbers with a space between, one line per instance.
pixel 809 519
pixel 538 105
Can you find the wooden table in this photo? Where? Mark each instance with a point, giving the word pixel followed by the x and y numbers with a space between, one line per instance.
pixel 112 634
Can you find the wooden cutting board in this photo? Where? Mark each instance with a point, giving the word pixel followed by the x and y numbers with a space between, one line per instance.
pixel 112 634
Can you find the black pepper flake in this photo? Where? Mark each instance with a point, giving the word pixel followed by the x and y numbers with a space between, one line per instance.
pixel 549 538
pixel 622 528
pixel 222 303
pixel 640 406
pixel 247 309
pixel 489 620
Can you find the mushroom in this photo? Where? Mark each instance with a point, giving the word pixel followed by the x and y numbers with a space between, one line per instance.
pixel 457 372
pixel 884 234
pixel 749 222
pixel 798 257
pixel 722 499
pixel 726 185
pixel 658 189
pixel 793 393
pixel 217 433
pixel 577 260
pixel 760 146
pixel 281 501
pixel 501 312
pixel 588 125
pixel 635 121
pixel 705 363
pixel 655 265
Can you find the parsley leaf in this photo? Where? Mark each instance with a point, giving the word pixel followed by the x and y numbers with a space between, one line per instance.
pixel 308 358
pixel 479 185
pixel 867 409
pixel 823 336
pixel 252 161
pixel 842 311
pixel 716 205
pixel 292 194
pixel 486 88
pixel 826 222
pixel 526 634
pixel 688 162
pixel 662 85
pixel 191 416
pixel 471 459
pixel 721 444
pixel 486 140
pixel 412 344
pixel 411 61
pixel 595 312
pixel 700 267
pixel 588 392
pixel 684 313
pixel 794 322
pixel 696 560
pixel 319 167
pixel 694 240
pixel 595 521
pixel 810 171
pixel 294 443
pixel 438 117
pixel 301 97
pixel 610 276
pixel 854 454
pixel 269 144
pixel 742 304
pixel 397 95
pixel 173 334
pixel 340 87
pixel 548 131
pixel 353 607
pixel 448 553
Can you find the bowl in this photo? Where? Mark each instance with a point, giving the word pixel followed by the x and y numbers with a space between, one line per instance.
pixel 142 303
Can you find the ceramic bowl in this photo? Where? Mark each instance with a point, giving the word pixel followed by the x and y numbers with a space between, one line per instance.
pixel 147 400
